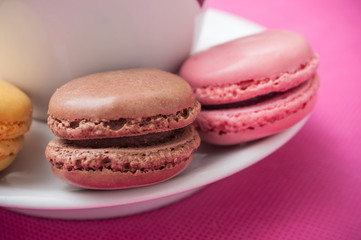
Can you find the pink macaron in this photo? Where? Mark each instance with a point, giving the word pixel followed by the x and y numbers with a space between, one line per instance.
pixel 122 129
pixel 253 87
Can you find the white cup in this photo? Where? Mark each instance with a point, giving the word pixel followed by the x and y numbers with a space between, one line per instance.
pixel 46 43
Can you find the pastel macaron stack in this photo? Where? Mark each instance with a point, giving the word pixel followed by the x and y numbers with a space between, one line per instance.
pixel 15 121
pixel 122 129
pixel 254 86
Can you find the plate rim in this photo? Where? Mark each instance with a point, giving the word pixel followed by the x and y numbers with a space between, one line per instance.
pixel 281 138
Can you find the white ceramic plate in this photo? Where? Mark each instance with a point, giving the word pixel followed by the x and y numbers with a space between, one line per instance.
pixel 28 185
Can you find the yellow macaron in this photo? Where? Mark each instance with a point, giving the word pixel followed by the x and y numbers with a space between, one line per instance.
pixel 15 111
pixel 15 120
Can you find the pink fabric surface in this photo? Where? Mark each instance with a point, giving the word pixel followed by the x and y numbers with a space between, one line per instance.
pixel 309 189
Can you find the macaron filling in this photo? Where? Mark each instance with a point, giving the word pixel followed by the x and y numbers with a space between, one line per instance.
pixel 254 100
pixel 259 114
pixel 244 103
pixel 146 140
pixel 125 154
pixel 246 89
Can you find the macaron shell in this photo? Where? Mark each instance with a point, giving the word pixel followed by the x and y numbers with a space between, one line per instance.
pixel 90 129
pixel 256 57
pixel 107 179
pixel 132 93
pixel 122 167
pixel 14 129
pixel 15 111
pixel 233 126
pixel 15 105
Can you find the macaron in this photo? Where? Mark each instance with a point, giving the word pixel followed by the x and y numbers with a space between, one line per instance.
pixel 15 121
pixel 122 129
pixel 253 87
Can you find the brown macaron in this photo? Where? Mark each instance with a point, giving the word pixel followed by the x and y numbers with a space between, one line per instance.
pixel 122 129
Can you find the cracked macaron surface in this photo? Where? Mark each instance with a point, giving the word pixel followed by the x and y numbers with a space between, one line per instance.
pixel 240 83
pixel 122 129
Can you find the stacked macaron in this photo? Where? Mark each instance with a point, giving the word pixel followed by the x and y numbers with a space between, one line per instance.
pixel 122 129
pixel 15 121
pixel 253 87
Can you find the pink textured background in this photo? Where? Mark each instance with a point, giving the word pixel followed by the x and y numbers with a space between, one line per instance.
pixel 309 189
